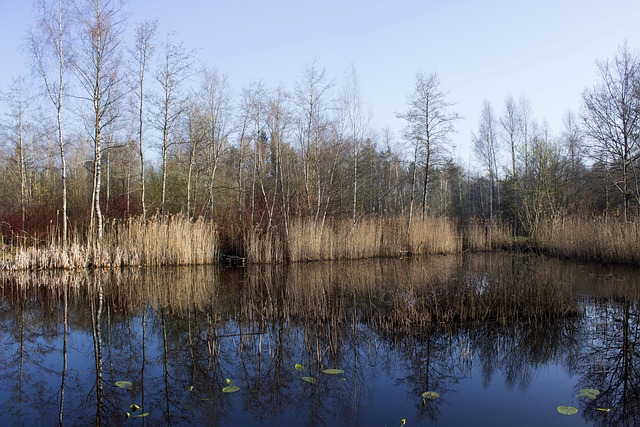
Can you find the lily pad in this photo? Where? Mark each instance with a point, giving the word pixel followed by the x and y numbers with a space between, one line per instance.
pixel 230 389
pixel 310 380
pixel 589 393
pixel 228 381
pixel 430 395
pixel 134 407
pixel 333 371
pixel 603 409
pixel 126 385
pixel 567 410
pixel 142 415
pixel 299 366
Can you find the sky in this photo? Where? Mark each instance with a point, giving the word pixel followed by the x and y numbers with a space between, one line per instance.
pixel 545 50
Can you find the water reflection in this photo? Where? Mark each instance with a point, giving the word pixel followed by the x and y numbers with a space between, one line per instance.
pixel 397 328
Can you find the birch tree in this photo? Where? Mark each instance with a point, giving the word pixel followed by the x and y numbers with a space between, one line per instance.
pixel 357 124
pixel 611 118
pixel 311 101
pixel 143 51
pixel 15 124
pixel 176 66
pixel 429 124
pixel 485 144
pixel 215 98
pixel 511 125
pixel 51 43
pixel 96 63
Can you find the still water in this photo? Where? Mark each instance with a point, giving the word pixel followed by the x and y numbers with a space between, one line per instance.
pixel 501 339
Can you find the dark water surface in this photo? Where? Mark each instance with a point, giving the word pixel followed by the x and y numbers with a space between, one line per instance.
pixel 503 339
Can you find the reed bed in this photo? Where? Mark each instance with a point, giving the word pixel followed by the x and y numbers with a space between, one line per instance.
pixel 369 238
pixel 481 236
pixel 266 247
pixel 596 239
pixel 160 241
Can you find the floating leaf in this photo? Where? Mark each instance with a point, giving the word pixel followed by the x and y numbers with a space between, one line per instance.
pixel 190 388
pixel 230 389
pixel 142 415
pixel 567 410
pixel 310 380
pixel 589 393
pixel 603 409
pixel 299 366
pixel 126 385
pixel 403 422
pixel 333 371
pixel 430 395
pixel 127 415
pixel 228 381
pixel 134 407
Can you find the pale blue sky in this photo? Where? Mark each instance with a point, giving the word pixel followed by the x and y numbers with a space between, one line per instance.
pixel 545 49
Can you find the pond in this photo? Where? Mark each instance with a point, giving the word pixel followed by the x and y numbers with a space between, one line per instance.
pixel 500 339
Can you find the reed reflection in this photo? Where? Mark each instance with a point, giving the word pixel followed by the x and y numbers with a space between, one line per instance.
pixel 177 335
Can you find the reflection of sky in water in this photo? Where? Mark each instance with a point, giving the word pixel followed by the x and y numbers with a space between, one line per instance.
pixel 516 374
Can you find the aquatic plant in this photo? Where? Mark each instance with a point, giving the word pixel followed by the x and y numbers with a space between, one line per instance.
pixel 126 385
pixel 589 393
pixel 310 380
pixel 567 410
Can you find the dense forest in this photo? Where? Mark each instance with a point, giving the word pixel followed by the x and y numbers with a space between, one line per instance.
pixel 104 130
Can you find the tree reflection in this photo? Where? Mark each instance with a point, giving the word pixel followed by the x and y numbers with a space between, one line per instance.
pixel 611 364
pixel 178 334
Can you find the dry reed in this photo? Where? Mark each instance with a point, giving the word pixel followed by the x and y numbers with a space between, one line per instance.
pixel 370 238
pixel 159 241
pixel 481 236
pixel 596 239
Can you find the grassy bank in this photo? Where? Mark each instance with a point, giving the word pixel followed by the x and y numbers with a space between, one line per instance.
pixel 158 241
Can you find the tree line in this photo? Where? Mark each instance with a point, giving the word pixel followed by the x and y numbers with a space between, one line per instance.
pixel 105 130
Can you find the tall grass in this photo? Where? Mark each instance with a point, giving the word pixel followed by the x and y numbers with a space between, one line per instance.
pixel 590 239
pixel 369 238
pixel 481 236
pixel 159 241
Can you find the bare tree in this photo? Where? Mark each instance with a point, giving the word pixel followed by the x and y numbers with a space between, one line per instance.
pixel 96 64
pixel 255 100
pixel 357 124
pixel 175 67
pixel 511 125
pixel 278 117
pixel 144 49
pixel 485 145
pixel 527 129
pixel 429 123
pixel 310 98
pixel 52 42
pixel 611 117
pixel 193 135
pixel 15 125
pixel 215 98
pixel 572 139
